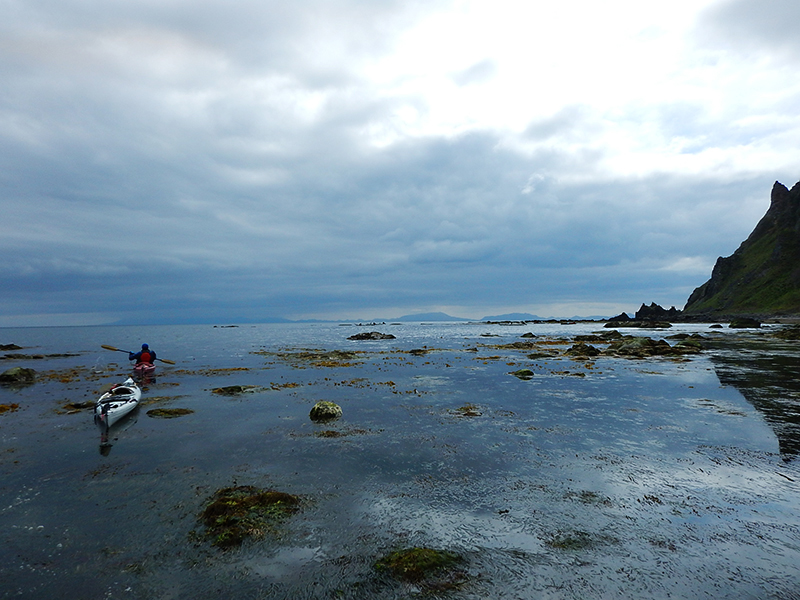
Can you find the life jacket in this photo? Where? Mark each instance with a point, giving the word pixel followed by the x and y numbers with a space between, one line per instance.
pixel 145 357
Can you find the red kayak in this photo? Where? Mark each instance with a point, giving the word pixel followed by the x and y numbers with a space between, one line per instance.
pixel 144 368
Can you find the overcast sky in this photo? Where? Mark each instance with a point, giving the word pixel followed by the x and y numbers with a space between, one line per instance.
pixel 206 160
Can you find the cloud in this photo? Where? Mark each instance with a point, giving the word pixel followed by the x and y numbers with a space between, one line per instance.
pixel 480 72
pixel 750 25
pixel 320 158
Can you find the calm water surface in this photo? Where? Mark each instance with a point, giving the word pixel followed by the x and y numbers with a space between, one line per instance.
pixel 608 478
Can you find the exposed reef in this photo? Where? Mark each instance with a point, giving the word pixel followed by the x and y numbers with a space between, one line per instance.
pixel 372 335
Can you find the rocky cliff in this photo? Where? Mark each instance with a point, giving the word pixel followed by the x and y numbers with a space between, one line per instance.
pixel 763 276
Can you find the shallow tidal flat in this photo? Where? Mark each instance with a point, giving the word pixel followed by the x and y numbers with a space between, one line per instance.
pixel 469 462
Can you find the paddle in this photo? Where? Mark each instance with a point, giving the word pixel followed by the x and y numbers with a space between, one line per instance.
pixel 164 360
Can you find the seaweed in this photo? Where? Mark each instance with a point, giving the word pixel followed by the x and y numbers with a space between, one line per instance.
pixel 417 564
pixel 168 413
pixel 237 513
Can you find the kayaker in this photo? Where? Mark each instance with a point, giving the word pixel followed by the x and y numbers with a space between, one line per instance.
pixel 145 355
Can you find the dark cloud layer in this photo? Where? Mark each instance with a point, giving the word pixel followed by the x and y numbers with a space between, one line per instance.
pixel 172 161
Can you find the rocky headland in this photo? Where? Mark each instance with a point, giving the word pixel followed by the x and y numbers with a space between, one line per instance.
pixel 760 281
pixel 762 278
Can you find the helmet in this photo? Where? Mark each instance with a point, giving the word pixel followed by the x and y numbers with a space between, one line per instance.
pixel 145 346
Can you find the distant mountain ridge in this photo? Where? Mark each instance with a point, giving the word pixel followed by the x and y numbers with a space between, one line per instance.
pixel 431 316
pixel 763 276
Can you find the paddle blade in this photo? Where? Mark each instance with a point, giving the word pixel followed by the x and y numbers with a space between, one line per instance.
pixel 164 360
pixel 112 348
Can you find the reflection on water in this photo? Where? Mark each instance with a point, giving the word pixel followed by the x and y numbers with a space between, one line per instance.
pixel 767 373
pixel 595 478
pixel 110 435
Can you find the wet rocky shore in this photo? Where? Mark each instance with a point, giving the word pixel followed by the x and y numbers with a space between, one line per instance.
pixel 491 461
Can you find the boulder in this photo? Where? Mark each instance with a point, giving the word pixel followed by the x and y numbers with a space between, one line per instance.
pixel 523 374
pixel 18 375
pixel 325 411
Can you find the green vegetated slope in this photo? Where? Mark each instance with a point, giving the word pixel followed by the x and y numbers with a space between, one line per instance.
pixel 763 275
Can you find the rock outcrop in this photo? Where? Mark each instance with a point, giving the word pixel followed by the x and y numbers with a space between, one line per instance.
pixel 656 312
pixel 18 375
pixel 763 276
pixel 372 335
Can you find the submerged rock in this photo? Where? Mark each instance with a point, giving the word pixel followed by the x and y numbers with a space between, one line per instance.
pixel 18 375
pixel 325 411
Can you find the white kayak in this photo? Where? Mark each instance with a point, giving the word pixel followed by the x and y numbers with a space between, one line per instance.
pixel 117 402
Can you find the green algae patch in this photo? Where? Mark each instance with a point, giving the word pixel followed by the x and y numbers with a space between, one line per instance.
pixel 168 413
pixel 420 565
pixel 237 513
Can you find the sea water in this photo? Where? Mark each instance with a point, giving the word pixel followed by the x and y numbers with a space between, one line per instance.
pixel 595 478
